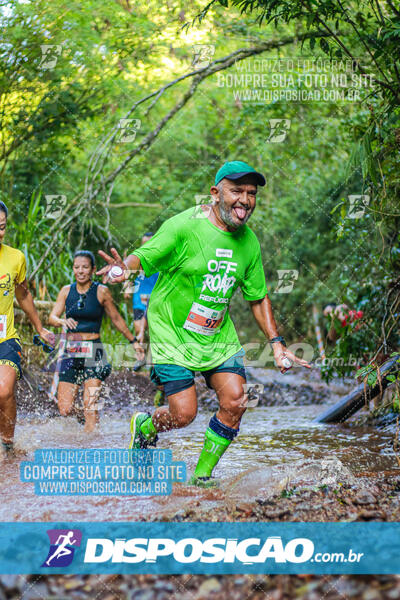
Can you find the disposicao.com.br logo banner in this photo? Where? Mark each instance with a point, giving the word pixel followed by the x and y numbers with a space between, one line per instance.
pixel 207 548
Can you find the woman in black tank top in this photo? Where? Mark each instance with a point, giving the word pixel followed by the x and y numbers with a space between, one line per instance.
pixel 84 360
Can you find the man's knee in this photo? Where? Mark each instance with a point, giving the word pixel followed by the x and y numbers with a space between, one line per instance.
pixel 6 392
pixel 236 402
pixel 183 418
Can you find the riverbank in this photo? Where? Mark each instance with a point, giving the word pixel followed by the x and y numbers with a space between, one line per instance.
pixel 283 467
pixel 373 497
pixel 124 388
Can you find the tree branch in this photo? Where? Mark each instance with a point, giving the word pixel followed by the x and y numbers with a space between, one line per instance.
pixel 394 9
pixel 198 76
pixel 356 62
pixel 90 193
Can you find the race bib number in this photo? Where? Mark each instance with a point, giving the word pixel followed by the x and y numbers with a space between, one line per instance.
pixel 3 326
pixel 80 349
pixel 204 320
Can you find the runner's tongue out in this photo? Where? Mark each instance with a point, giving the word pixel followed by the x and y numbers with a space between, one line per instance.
pixel 240 212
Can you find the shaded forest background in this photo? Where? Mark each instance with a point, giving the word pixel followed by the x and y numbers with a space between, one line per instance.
pixel 72 73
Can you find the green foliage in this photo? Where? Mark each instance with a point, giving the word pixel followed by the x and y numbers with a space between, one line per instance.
pixel 288 492
pixel 31 235
pixel 369 279
pixel 369 373
pixel 114 54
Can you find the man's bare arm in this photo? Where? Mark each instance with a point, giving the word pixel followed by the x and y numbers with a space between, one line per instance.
pixel 133 262
pixel 262 312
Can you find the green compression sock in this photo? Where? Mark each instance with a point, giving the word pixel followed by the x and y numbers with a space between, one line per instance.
pixel 214 447
pixel 148 429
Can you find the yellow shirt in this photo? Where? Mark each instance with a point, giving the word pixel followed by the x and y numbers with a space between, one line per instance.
pixel 12 272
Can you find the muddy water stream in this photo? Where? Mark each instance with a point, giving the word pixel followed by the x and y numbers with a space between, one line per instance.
pixel 277 446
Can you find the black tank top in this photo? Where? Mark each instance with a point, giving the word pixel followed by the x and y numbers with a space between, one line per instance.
pixel 87 311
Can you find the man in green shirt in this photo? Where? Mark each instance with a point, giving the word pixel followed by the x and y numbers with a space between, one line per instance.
pixel 203 255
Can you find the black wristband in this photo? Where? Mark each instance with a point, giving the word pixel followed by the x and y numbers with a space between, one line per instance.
pixel 134 340
pixel 279 338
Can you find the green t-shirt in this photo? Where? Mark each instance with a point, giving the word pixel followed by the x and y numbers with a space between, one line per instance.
pixel 200 268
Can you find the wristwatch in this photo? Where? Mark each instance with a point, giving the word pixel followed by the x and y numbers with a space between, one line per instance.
pixel 134 340
pixel 279 338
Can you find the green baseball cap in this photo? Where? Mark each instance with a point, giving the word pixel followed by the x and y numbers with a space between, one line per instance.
pixel 237 169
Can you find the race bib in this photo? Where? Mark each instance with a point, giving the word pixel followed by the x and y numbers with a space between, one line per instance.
pixel 80 349
pixel 204 320
pixel 3 326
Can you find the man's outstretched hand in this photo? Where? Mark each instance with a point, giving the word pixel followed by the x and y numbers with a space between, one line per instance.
pixel 112 261
pixel 282 352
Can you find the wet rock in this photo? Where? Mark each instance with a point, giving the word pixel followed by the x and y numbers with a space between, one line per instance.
pixel 277 514
pixel 371 595
pixel 245 508
pixel 36 592
pixel 240 581
pixel 370 515
pixel 309 587
pixel 164 586
pixel 73 584
pixel 142 594
pixel 302 505
pixel 180 515
pixel 10 582
pixel 332 471
pixel 110 579
pixel 313 596
pixel 261 585
pixel 265 502
pixel 364 497
pixel 348 588
pixel 207 587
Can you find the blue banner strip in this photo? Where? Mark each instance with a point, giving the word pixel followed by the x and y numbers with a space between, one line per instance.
pixel 200 548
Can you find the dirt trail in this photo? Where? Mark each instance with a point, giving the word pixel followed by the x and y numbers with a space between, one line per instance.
pixel 298 472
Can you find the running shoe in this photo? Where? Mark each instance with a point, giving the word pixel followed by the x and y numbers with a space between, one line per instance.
pixel 138 440
pixel 203 482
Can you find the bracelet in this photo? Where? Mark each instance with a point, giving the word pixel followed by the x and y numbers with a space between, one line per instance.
pixel 279 338
pixel 134 340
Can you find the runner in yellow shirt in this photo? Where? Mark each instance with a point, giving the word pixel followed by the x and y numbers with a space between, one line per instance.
pixel 12 283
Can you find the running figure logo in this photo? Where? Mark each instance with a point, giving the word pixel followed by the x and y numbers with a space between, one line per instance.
pixel 61 551
pixel 279 130
pixel 286 279
pixel 203 54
